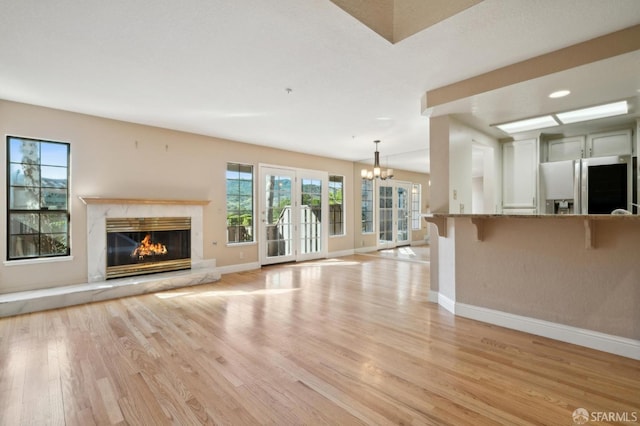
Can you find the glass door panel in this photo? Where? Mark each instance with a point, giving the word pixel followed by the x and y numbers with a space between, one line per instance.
pixel 394 204
pixel 385 216
pixel 402 211
pixel 310 215
pixel 277 216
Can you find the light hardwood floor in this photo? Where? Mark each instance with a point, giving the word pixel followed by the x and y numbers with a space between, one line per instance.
pixel 345 341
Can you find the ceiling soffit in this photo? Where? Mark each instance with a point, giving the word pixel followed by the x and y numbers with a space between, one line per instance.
pixel 396 20
pixel 588 52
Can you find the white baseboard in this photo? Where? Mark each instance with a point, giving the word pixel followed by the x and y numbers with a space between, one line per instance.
pixel 578 336
pixel 240 267
pixel 433 296
pixel 448 304
pixel 365 249
pixel 341 253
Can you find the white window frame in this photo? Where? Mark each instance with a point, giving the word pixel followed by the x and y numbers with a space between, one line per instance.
pixel 253 204
pixel 342 205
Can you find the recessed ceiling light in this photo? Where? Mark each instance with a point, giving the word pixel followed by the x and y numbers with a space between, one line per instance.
pixel 592 113
pixel 528 124
pixel 559 94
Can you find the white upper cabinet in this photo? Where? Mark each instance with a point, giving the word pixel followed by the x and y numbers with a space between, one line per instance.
pixel 609 143
pixel 593 145
pixel 565 149
pixel 519 174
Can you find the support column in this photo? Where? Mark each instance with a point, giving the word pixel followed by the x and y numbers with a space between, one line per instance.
pixel 439 190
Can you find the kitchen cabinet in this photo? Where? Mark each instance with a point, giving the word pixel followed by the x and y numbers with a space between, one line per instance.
pixel 609 143
pixel 519 175
pixel 566 148
pixel 601 144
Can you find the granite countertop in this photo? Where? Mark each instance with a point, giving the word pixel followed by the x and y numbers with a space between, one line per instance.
pixel 478 220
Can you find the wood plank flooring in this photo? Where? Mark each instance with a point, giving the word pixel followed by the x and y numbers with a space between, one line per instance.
pixel 341 342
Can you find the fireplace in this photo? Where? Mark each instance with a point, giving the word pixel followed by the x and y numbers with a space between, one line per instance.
pixel 137 246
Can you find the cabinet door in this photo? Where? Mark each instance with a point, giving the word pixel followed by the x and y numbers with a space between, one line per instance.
pixel 609 143
pixel 519 166
pixel 565 149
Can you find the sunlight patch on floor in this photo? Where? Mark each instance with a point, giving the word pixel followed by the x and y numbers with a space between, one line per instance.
pixel 172 294
pixel 324 262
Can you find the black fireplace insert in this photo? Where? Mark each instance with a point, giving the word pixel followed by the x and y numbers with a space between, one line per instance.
pixel 147 245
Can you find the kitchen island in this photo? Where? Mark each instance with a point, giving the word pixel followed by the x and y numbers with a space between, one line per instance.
pixel 574 278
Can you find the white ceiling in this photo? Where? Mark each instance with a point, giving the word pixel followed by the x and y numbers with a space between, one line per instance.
pixel 222 68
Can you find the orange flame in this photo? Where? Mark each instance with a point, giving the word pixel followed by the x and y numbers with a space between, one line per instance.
pixel 147 248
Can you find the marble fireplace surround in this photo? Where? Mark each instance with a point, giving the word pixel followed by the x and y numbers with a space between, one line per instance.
pixel 97 288
pixel 99 209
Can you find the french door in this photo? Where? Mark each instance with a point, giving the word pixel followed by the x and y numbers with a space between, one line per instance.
pixel 394 211
pixel 293 214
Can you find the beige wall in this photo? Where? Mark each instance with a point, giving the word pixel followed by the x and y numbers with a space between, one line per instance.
pixel 540 268
pixel 117 159
pixel 439 128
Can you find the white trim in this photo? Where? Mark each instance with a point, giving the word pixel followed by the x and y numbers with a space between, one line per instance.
pixel 340 253
pixel 433 296
pixel 366 249
pixel 622 346
pixel 418 243
pixel 448 304
pixel 240 267
pixel 22 262
pixel 344 206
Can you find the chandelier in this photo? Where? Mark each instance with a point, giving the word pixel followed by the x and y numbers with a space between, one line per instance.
pixel 377 172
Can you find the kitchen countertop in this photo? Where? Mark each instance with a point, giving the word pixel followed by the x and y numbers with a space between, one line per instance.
pixel 440 221
pixel 534 216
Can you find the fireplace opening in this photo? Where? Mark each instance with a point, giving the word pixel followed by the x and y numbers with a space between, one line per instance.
pixel 138 246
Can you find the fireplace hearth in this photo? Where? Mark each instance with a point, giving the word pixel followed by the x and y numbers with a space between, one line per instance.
pixel 137 246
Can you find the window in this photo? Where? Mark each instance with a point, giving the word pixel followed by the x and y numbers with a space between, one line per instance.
pixel 239 203
pixel 416 202
pixel 37 198
pixel 367 206
pixel 336 205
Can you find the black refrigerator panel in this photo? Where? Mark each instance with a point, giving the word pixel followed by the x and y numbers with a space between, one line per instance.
pixel 606 184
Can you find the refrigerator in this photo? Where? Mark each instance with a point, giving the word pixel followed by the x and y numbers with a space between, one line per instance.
pixel 597 185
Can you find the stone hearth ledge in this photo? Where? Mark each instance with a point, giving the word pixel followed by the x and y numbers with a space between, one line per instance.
pixel 40 300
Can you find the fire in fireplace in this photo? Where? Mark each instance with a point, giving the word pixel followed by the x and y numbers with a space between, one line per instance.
pixel 147 248
pixel 138 246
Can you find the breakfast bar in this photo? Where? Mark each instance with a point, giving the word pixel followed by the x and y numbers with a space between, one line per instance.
pixel 570 277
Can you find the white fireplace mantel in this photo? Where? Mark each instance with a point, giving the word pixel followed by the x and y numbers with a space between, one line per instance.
pixel 146 201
